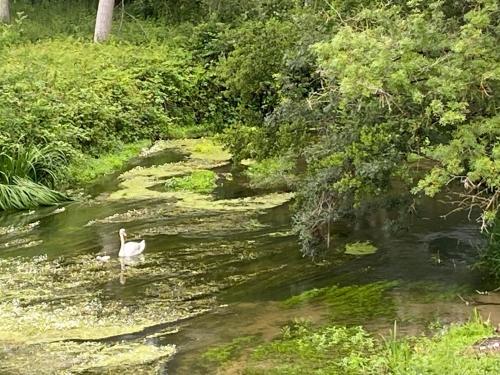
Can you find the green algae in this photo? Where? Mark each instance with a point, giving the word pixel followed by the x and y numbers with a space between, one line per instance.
pixel 85 357
pixel 50 300
pixel 187 221
pixel 354 303
pixel 204 154
pixel 22 229
pixel 429 292
pixel 360 248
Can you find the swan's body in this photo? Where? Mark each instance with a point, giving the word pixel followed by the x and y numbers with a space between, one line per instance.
pixel 131 248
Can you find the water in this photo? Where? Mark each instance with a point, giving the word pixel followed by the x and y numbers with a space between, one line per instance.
pixel 229 271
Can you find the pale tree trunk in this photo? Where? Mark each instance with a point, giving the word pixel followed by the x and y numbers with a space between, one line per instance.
pixel 4 11
pixel 103 20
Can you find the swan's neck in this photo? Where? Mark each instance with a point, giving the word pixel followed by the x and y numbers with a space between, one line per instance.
pixel 122 241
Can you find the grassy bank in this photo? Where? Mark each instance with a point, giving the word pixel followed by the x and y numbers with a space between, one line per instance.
pixel 86 169
pixel 302 349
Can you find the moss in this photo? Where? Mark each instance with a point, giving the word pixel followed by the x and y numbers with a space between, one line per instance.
pixel 87 169
pixel 201 181
pixel 360 248
pixel 355 303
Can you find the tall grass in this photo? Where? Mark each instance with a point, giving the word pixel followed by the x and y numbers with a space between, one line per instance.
pixel 24 194
pixel 27 173
pixel 38 164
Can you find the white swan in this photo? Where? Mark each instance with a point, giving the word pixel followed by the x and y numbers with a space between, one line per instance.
pixel 130 249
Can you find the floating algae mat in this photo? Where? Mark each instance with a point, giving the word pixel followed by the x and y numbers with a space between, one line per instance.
pixel 49 309
pixel 57 315
pixel 65 357
pixel 360 248
pixel 204 154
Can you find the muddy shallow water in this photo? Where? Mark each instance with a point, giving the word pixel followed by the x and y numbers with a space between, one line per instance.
pixel 211 275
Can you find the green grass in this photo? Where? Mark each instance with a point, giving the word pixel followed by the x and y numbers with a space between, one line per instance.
pixel 87 169
pixel 304 349
pixel 202 181
pixel 27 173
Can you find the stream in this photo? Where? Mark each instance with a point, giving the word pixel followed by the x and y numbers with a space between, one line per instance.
pixel 225 274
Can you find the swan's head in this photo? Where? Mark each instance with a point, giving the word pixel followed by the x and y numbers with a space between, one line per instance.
pixel 122 233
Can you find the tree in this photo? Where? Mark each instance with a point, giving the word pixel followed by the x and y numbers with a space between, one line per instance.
pixel 4 11
pixel 103 20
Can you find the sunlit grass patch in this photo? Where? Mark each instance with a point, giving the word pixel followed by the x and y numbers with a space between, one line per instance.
pixel 87 169
pixel 202 181
pixel 448 352
pixel 304 349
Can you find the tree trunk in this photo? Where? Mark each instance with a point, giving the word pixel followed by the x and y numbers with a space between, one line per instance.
pixel 4 11
pixel 103 20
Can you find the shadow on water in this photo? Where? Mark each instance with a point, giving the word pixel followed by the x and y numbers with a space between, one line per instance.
pixel 247 271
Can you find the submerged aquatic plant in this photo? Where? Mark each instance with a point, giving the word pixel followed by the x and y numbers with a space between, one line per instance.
pixel 354 303
pixel 223 353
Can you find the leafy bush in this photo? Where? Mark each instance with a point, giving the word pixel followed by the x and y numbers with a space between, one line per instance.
pixel 93 97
